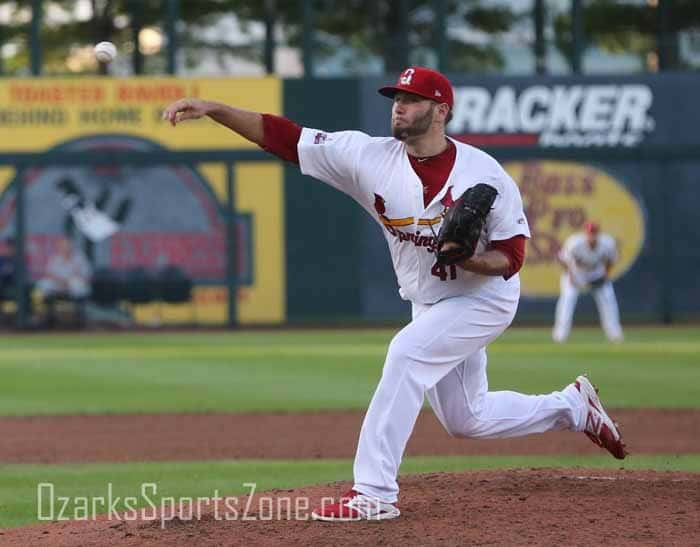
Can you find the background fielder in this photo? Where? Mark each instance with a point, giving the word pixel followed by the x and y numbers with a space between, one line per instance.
pixel 587 258
pixel 406 183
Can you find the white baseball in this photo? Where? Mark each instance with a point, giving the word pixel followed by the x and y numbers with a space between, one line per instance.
pixel 105 52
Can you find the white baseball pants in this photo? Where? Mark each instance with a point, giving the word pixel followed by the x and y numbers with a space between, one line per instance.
pixel 441 354
pixel 606 303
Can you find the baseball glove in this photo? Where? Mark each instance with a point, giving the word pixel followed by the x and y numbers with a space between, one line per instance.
pixel 463 223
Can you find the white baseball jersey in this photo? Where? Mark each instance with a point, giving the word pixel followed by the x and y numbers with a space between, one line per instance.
pixel 585 263
pixel 376 172
pixel 74 267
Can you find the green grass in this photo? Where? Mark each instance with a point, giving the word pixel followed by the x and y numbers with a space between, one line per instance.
pixel 317 370
pixel 19 492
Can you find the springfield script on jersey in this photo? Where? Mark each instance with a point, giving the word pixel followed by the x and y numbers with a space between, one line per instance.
pixel 429 242
pixel 391 224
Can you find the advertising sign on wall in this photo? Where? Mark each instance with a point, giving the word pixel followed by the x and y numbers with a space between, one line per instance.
pixel 556 115
pixel 124 217
pixel 559 197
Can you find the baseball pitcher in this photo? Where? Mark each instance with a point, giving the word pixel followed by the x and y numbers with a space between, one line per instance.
pixel 587 258
pixel 454 224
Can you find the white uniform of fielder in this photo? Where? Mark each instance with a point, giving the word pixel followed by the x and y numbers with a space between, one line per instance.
pixel 586 267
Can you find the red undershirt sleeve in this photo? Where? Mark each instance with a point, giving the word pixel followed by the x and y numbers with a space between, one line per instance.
pixel 281 137
pixel 514 249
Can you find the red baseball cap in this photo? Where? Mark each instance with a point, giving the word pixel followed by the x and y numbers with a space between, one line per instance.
pixel 591 227
pixel 422 81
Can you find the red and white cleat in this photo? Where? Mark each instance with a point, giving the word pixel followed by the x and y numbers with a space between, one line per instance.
pixel 599 426
pixel 355 506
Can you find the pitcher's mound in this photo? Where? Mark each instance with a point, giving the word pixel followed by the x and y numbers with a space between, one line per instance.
pixel 513 507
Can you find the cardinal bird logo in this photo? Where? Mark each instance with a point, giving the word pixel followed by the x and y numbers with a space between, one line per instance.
pixel 379 205
pixel 447 200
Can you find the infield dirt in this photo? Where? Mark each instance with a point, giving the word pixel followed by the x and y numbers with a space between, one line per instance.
pixel 169 437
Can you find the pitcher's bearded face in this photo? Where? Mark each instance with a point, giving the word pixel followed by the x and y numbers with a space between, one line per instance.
pixel 411 116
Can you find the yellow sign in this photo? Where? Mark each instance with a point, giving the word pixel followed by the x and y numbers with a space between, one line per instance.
pixel 41 113
pixel 165 214
pixel 559 197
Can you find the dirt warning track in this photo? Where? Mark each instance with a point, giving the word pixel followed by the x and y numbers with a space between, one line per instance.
pixel 162 437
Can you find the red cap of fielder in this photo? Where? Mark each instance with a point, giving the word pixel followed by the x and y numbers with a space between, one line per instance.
pixel 422 81
pixel 591 227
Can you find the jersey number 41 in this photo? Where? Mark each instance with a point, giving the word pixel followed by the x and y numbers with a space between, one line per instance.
pixel 440 270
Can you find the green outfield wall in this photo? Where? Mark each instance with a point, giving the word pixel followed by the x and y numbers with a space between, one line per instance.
pixel 621 151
